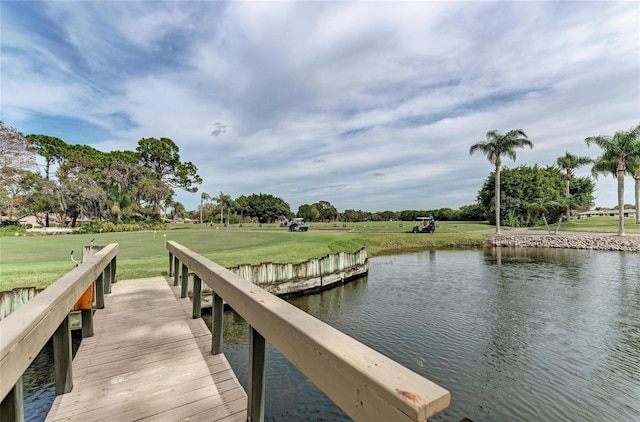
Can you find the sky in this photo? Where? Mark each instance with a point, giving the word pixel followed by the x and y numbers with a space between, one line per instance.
pixel 368 105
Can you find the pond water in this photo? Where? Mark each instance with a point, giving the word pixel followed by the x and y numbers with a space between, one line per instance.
pixel 514 334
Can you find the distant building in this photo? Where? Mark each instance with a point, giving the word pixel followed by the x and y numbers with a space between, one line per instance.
pixel 628 212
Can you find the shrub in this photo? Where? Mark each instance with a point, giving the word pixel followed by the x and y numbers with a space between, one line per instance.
pixel 111 227
pixel 11 230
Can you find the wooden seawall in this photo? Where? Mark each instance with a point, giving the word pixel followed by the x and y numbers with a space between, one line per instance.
pixel 151 364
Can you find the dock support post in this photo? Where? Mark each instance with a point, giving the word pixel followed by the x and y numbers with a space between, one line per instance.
pixel 62 357
pixel 197 297
pixel 255 405
pixel 100 291
pixel 107 279
pixel 217 311
pixel 87 322
pixel 113 271
pixel 176 270
pixel 170 264
pixel 185 281
pixel 12 407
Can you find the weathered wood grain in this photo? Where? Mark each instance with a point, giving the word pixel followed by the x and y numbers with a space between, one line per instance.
pixel 149 360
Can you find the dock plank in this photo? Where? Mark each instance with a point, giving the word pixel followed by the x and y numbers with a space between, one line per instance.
pixel 149 360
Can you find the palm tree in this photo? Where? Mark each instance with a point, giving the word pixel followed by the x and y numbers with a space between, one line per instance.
pixel 204 196
pixel 622 146
pixel 497 145
pixel 564 206
pixel 540 207
pixel 633 166
pixel 569 162
pixel 222 200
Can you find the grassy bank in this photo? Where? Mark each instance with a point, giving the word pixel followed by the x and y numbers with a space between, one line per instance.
pixel 40 260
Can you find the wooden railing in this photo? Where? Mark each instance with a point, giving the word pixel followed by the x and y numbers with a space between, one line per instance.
pixel 26 331
pixel 365 384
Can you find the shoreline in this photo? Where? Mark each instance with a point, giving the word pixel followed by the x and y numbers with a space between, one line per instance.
pixel 566 240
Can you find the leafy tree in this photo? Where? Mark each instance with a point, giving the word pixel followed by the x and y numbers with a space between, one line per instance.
pixel 569 162
pixel 38 198
pixel 266 207
pixel 327 211
pixel 496 146
pixel 122 182
pixel 523 185
pixel 622 146
pixel 83 184
pixel 472 212
pixel 445 214
pixel 16 183
pixel 308 212
pixel 388 215
pixel 163 158
pixel 354 215
pixel 52 149
pixel 410 215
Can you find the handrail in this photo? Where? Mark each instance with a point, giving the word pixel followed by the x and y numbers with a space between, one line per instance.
pixel 26 331
pixel 365 384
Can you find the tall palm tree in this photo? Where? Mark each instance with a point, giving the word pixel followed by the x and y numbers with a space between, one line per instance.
pixel 204 196
pixel 633 167
pixel 569 162
pixel 622 146
pixel 497 145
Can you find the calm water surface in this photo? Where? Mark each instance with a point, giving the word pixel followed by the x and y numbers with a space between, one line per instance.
pixel 526 334
pixel 535 335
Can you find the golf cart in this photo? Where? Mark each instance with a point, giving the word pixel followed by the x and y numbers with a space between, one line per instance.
pixel 298 225
pixel 424 225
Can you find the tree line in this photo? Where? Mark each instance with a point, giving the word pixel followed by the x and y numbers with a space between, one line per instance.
pixel 139 186
pixel 620 157
pixel 79 180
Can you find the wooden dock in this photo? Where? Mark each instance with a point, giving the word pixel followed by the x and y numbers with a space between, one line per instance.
pixel 150 360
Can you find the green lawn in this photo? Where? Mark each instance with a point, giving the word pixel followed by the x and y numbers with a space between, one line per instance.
pixel 40 260
pixel 598 224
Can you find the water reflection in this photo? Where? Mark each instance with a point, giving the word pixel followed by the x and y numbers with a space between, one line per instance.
pixel 514 334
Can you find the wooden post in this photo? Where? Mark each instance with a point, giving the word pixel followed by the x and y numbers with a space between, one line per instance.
pixel 216 324
pixel 176 270
pixel 255 405
pixel 62 357
pixel 197 297
pixel 185 281
pixel 12 407
pixel 170 264
pixel 107 279
pixel 100 291
pixel 87 323
pixel 113 272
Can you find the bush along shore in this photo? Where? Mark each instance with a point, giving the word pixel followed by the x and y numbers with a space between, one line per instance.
pixel 601 242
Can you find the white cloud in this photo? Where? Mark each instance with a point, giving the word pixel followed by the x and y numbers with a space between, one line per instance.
pixel 364 104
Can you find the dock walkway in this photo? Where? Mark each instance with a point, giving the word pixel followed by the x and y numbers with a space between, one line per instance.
pixel 149 360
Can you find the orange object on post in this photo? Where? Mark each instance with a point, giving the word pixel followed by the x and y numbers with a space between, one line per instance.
pixel 85 301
